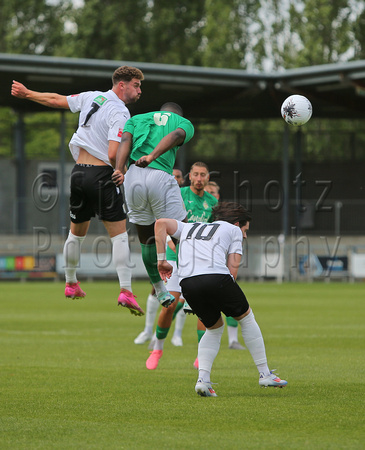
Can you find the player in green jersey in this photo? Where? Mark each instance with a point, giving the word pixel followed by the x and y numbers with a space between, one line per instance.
pixel 148 147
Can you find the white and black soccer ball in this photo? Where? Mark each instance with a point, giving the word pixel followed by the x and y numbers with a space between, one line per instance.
pixel 296 110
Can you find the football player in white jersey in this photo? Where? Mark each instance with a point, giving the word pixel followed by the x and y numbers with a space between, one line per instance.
pixel 94 147
pixel 232 325
pixel 209 257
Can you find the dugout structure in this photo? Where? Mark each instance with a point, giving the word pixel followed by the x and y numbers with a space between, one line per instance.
pixel 207 95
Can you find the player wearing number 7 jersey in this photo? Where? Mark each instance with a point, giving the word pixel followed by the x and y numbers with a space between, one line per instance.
pixel 209 257
pixel 149 145
pixel 102 116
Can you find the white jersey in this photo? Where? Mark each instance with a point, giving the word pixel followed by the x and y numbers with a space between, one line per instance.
pixel 102 119
pixel 204 247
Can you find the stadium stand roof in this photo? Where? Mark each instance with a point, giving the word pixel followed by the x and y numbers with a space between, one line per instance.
pixel 209 94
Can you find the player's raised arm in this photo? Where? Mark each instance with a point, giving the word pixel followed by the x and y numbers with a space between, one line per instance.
pixel 49 99
pixel 170 141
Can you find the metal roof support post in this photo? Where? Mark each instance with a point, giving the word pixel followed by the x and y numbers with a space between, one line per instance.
pixel 285 211
pixel 181 157
pixel 20 164
pixel 299 208
pixel 285 181
pixel 62 203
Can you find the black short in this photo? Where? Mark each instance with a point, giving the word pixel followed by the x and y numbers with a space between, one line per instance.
pixel 93 192
pixel 209 295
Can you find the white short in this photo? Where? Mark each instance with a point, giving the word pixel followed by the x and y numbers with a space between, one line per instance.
pixel 152 194
pixel 172 284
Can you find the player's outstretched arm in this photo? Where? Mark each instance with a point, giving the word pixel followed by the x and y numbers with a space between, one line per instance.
pixel 51 100
pixel 170 141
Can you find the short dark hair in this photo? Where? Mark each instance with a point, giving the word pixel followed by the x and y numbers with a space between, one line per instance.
pixel 126 73
pixel 172 107
pixel 231 212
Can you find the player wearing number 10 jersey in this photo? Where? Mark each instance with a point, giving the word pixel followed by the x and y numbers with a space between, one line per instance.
pixel 209 257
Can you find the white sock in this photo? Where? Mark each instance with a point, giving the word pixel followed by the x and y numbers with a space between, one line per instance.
pixel 232 334
pixel 159 287
pixel 204 375
pixel 208 350
pixel 159 344
pixel 254 341
pixel 71 256
pixel 152 306
pixel 121 260
pixel 179 323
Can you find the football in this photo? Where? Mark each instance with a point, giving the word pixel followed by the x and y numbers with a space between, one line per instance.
pixel 296 110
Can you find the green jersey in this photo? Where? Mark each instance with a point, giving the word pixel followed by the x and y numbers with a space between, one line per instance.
pixel 198 209
pixel 148 130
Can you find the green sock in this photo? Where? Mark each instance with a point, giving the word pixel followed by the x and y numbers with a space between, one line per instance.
pixel 161 333
pixel 177 309
pixel 200 334
pixel 231 322
pixel 149 256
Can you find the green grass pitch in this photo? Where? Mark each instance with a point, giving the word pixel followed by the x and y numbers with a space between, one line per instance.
pixel 72 378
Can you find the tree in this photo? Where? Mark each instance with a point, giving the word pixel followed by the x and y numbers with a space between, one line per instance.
pixel 227 32
pixel 110 30
pixel 174 31
pixel 33 26
pixel 265 35
pixel 148 31
pixel 210 33
pixel 359 35
pixel 320 32
pixel 268 35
